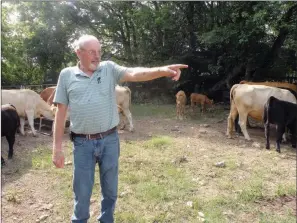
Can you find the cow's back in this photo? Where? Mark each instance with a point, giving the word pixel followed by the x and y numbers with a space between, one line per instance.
pixel 197 97
pixel 272 84
pixel 21 99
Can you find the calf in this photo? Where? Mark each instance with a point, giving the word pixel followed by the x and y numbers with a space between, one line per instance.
pixel 200 99
pixel 10 121
pixel 181 100
pixel 283 114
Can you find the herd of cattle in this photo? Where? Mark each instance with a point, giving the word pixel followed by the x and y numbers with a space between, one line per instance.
pixel 270 102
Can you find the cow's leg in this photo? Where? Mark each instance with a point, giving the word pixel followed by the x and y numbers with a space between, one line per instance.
pixel 237 127
pixel 242 122
pixel 10 140
pixel 267 131
pixel 280 129
pixel 122 123
pixel 22 126
pixel 232 115
pixel 181 112
pixel 192 105
pixel 177 116
pixel 128 115
pixel 30 116
pixel 293 130
pixel 2 161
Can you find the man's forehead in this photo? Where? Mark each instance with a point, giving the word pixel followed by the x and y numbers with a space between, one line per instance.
pixel 92 44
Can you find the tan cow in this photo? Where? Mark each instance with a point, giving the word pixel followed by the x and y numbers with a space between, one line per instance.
pixel 250 100
pixel 272 84
pixel 200 99
pixel 123 98
pixel 28 104
pixel 181 100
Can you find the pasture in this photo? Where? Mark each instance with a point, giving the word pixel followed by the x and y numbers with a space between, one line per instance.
pixel 168 173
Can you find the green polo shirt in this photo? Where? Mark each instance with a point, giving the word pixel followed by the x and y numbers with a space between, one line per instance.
pixel 91 100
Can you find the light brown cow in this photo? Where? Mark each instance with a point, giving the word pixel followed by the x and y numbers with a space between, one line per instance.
pixel 123 97
pixel 250 100
pixel 200 99
pixel 272 84
pixel 48 94
pixel 28 104
pixel 181 100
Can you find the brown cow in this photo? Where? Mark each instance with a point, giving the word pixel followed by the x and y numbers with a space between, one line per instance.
pixel 200 99
pixel 181 100
pixel 48 94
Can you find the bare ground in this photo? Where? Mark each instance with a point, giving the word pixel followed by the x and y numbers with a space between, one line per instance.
pixel 27 194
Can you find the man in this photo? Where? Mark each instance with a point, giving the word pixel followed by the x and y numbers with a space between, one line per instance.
pixel 89 91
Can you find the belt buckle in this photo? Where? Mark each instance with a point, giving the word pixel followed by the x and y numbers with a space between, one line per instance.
pixel 88 136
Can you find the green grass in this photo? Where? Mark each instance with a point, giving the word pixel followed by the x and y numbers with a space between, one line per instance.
pixel 42 158
pixel 149 110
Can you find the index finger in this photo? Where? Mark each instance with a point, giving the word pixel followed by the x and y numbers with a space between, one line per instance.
pixel 179 65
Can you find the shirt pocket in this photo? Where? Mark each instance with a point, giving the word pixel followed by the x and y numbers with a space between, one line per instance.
pixel 103 85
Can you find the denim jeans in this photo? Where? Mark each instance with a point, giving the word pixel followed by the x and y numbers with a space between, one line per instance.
pixel 85 153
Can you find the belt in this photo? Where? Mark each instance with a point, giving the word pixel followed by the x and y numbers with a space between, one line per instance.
pixel 96 135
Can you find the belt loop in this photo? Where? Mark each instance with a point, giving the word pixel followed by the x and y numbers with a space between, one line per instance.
pixel 101 136
pixel 88 136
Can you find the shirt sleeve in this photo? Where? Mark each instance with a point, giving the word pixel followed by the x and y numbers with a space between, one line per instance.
pixel 118 71
pixel 61 95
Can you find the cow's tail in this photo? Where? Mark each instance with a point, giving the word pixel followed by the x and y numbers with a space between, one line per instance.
pixel 232 92
pixel 267 110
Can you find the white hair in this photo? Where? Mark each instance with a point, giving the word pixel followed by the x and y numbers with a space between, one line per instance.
pixel 82 40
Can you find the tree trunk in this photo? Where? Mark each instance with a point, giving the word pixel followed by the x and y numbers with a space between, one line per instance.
pixel 273 54
pixel 238 70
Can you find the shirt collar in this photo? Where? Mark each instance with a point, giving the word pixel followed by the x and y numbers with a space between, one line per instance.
pixel 78 71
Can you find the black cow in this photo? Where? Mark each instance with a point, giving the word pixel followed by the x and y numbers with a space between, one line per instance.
pixel 10 121
pixel 283 114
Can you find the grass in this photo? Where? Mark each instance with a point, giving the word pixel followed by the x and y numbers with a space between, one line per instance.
pixel 155 188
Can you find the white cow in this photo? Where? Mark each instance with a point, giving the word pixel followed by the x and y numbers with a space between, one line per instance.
pixel 28 104
pixel 123 96
pixel 249 100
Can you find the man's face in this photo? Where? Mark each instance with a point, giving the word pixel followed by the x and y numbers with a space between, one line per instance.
pixel 90 55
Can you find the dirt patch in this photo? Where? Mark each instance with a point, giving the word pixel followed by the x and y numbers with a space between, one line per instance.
pixel 279 205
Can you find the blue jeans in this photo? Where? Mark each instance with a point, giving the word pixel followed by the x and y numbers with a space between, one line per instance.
pixel 85 153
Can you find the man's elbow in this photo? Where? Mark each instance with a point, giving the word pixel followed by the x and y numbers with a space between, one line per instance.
pixel 128 77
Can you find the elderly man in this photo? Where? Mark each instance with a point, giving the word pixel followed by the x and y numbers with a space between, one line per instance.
pixel 89 91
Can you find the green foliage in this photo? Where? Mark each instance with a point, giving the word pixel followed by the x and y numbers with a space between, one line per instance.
pixel 36 44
